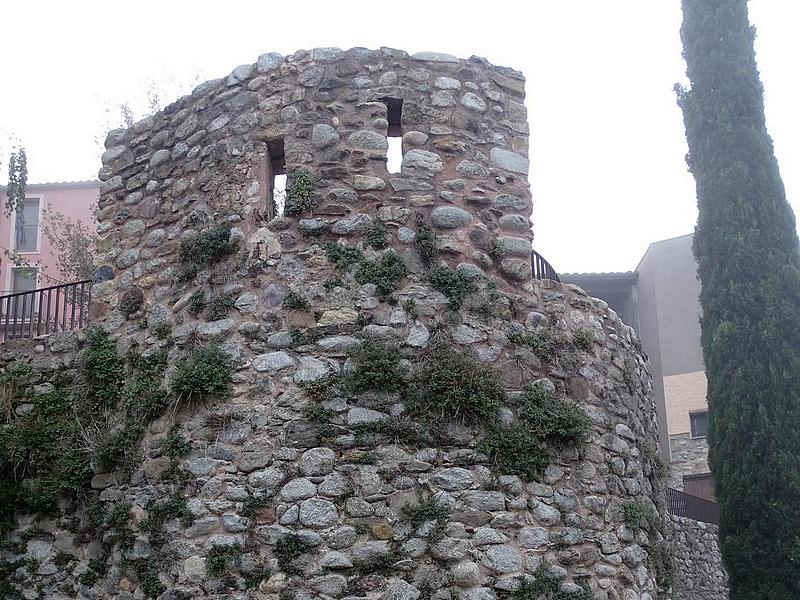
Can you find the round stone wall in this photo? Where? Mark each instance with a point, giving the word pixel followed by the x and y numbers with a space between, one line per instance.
pixel 298 491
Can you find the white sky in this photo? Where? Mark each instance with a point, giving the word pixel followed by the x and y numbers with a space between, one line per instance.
pixel 607 141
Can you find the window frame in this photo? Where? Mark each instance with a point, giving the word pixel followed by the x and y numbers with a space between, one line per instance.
pixel 692 415
pixel 13 240
pixel 37 279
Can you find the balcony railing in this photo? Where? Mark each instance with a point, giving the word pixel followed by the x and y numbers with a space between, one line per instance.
pixel 46 310
pixel 682 504
pixel 541 268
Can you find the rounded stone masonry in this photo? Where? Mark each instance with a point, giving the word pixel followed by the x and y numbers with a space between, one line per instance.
pixel 410 414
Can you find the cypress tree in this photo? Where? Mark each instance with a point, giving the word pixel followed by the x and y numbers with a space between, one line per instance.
pixel 748 259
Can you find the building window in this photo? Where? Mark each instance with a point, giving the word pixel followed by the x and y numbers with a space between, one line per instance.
pixel 276 196
pixel 394 114
pixel 26 226
pixel 699 422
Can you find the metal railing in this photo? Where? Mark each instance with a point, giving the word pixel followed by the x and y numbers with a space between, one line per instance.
pixel 45 310
pixel 541 268
pixel 682 504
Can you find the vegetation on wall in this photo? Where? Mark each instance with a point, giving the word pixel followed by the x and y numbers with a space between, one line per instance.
pixel 385 272
pixel 746 247
pixel 299 192
pixel 92 420
pixel 206 248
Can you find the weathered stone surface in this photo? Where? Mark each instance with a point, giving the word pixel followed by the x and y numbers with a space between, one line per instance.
pixel 294 450
pixel 510 161
pixel 323 136
pixel 450 217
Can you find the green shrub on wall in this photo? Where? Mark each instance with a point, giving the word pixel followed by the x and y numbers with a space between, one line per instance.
pixel 205 373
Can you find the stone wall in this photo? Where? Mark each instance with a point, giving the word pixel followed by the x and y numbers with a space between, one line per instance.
pixel 275 471
pixel 689 457
pixel 699 572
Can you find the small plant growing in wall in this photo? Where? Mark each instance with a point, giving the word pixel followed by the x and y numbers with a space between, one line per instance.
pixel 385 273
pixel 584 338
pixel 449 383
pixel 343 256
pixel 299 192
pixel 453 284
pixel 425 243
pixel 634 513
pixel 204 374
pixel 288 549
pixel 295 301
pixel 206 248
pixel 376 236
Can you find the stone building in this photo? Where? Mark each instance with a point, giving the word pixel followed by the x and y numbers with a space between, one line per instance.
pixel 660 300
pixel 361 317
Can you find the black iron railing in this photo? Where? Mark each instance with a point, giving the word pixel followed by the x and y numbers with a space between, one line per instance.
pixel 541 268
pixel 45 310
pixel 682 504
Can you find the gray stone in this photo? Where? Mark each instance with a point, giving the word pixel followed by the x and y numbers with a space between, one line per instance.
pixel 453 478
pixel 128 258
pixel 435 57
pixel 364 183
pixel 470 168
pixel 483 500
pixel 335 560
pixel 450 217
pixel 422 162
pixel 473 102
pixel 418 336
pixel 532 537
pixel 311 369
pixel 317 461
pixel 502 559
pixel 216 330
pixel 544 514
pixel 368 140
pixel 357 224
pixel 247 303
pixel 368 552
pixel 358 416
pixel 160 157
pixel 269 62
pixel 505 245
pixel 400 590
pixel 466 574
pixel 274 295
pixel 323 135
pixel 447 83
pixel 317 513
pixel 510 161
pixel 268 480
pixel 298 489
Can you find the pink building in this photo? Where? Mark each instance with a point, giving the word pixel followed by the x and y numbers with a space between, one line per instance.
pixel 23 233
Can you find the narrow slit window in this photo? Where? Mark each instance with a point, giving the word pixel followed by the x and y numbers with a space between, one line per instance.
pixel 699 423
pixel 394 114
pixel 277 178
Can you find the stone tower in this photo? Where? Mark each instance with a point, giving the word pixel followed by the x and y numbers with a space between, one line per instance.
pixel 334 491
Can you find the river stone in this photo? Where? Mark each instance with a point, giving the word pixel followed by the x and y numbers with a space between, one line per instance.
pixel 311 369
pixel 532 537
pixel 365 183
pixel 400 590
pixel 268 62
pixel 510 161
pixel 515 246
pixel 317 461
pixel 298 489
pixel 216 330
pixel 502 559
pixel 273 362
pixel 453 478
pixel 368 140
pixel 317 513
pixel 357 224
pixel 422 161
pixel 473 102
pixel 323 135
pixel 466 574
pixel 449 217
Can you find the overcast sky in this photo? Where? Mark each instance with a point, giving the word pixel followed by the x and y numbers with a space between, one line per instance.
pixel 607 142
